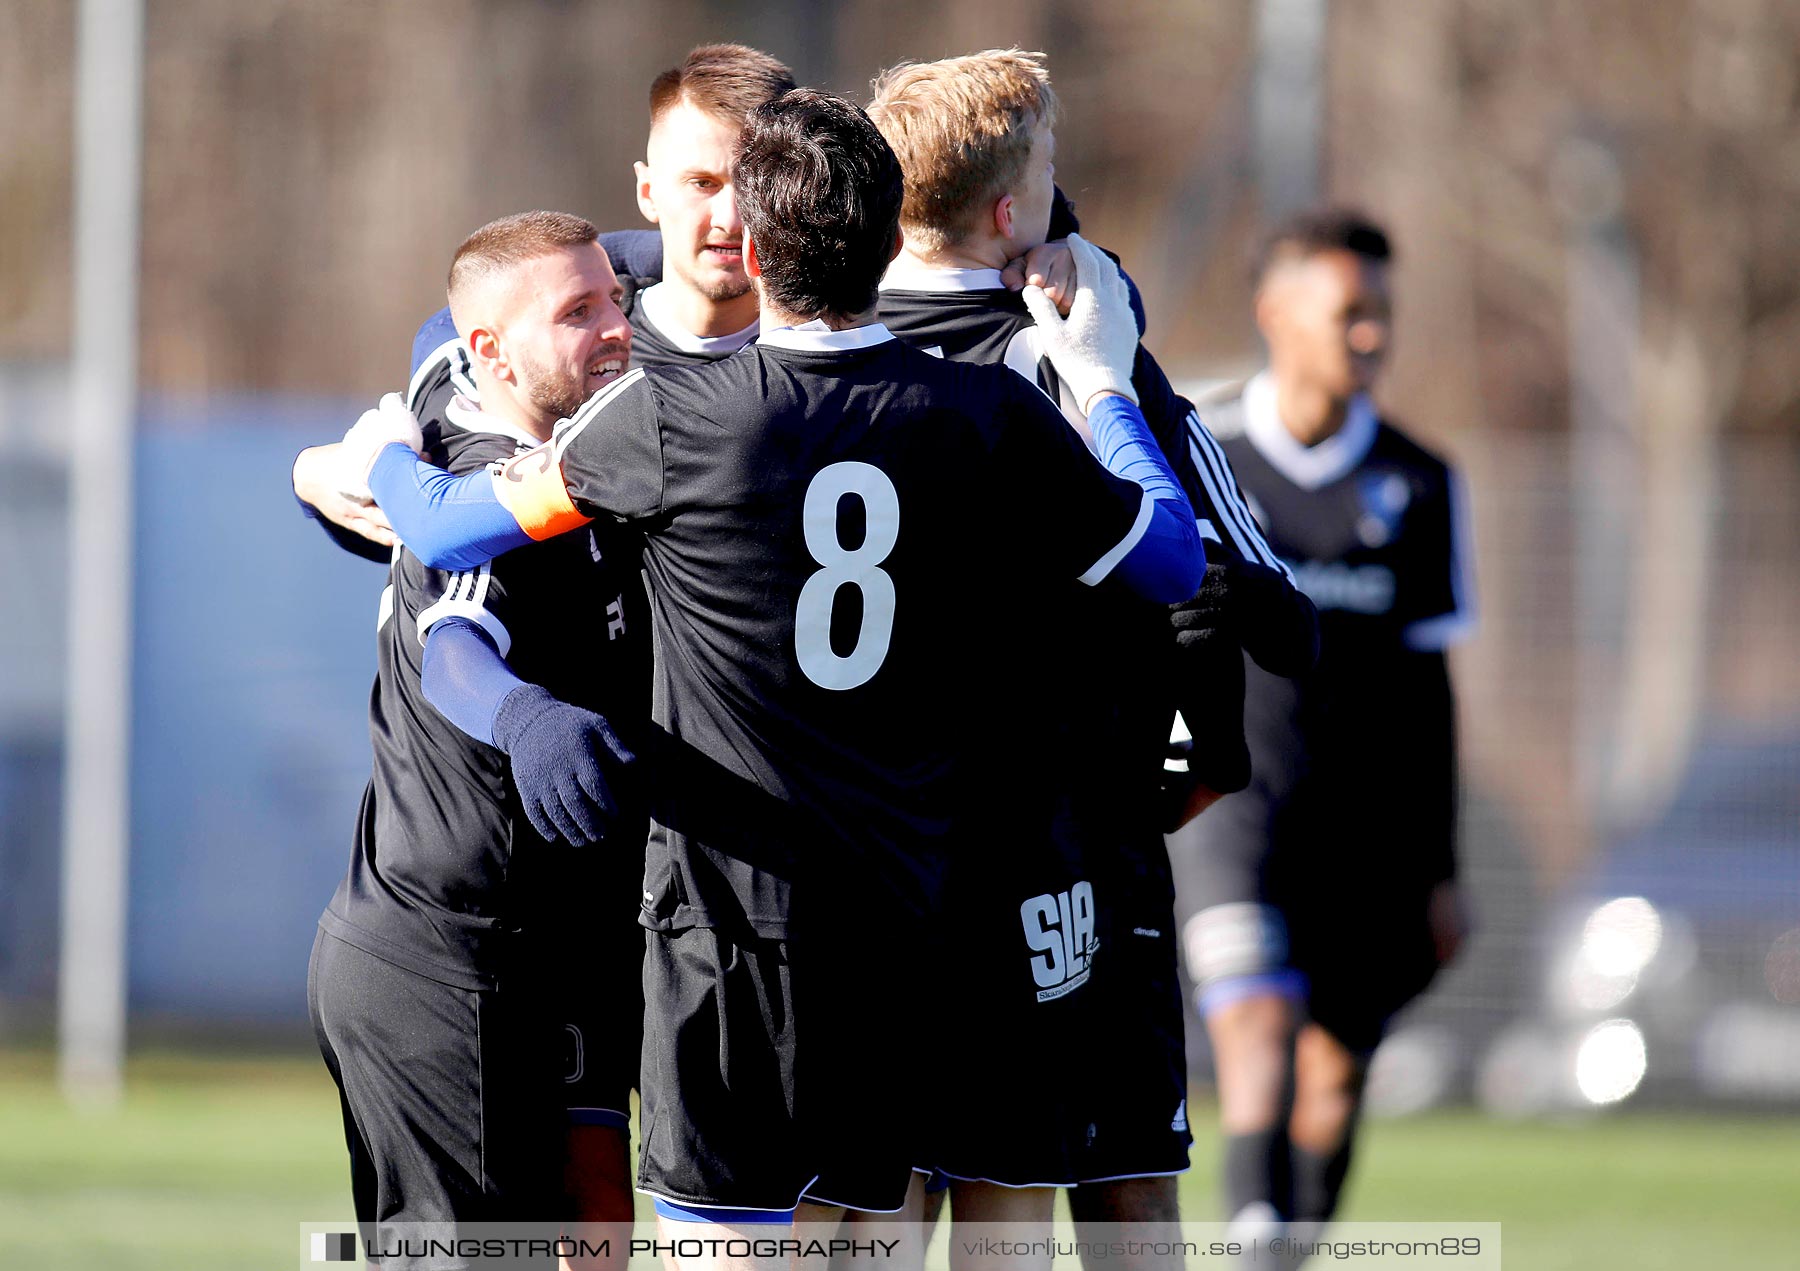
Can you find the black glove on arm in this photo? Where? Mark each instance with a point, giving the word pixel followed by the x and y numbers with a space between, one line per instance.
pixel 1255 608
pixel 1210 617
pixel 560 754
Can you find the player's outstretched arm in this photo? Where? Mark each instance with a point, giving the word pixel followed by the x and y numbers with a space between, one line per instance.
pixel 1094 350
pixel 560 753
pixel 451 522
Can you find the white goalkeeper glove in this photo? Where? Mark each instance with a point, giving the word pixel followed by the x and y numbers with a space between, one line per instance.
pixel 389 422
pixel 1093 349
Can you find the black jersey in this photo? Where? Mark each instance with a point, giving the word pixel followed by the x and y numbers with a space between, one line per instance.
pixel 657 339
pixel 1112 709
pixel 835 525
pixel 1371 524
pixel 445 865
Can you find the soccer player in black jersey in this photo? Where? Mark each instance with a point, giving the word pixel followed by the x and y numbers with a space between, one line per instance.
pixel 1323 897
pixel 701 305
pixel 431 979
pixel 976 137
pixel 836 526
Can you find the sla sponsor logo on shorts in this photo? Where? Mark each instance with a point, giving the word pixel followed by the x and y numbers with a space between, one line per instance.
pixel 333 1246
pixel 1059 928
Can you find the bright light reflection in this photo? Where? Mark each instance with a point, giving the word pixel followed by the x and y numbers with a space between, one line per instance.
pixel 1610 1064
pixel 1621 937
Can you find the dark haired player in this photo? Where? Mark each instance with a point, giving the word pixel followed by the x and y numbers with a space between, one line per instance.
pixel 1306 937
pixel 430 984
pixel 831 546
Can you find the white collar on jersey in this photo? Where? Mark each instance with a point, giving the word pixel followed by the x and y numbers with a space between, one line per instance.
pixel 469 416
pixel 658 303
pixel 816 337
pixel 907 276
pixel 1308 467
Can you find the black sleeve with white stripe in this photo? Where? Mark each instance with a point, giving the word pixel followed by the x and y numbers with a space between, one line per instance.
pixel 1224 500
pixel 1279 626
pixel 448 367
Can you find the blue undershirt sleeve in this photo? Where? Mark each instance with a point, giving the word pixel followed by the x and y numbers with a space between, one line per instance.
pixel 465 677
pixel 1167 563
pixel 448 522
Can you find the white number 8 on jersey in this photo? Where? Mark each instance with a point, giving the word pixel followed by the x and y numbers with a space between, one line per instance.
pixel 860 569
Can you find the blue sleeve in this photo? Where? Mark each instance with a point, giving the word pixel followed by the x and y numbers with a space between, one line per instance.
pixel 435 332
pixel 1168 561
pixel 634 252
pixel 465 677
pixel 448 522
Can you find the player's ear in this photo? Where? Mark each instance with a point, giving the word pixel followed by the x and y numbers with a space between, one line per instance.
pixel 752 266
pixel 899 242
pixel 484 346
pixel 646 204
pixel 1003 216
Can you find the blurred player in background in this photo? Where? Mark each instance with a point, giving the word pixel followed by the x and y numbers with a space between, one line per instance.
pixel 1323 897
pixel 473 1090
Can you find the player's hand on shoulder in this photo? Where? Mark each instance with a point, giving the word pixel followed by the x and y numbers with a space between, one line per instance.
pixel 319 475
pixel 564 761
pixel 1049 266
pixel 379 428
pixel 1095 347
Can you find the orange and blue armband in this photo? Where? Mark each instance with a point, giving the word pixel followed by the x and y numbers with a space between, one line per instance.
pixel 530 486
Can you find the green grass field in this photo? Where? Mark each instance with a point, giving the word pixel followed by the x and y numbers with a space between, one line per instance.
pixel 212 1164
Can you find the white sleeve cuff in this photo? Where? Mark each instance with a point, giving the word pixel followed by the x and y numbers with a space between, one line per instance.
pixel 449 607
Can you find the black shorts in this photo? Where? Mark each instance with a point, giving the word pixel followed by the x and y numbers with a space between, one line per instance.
pixel 1262 911
pixel 776 1070
pixel 1362 962
pixel 595 983
pixel 450 1096
pixel 1016 998
pixel 1136 1117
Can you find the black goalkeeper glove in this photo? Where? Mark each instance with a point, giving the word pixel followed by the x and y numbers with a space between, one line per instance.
pixel 560 755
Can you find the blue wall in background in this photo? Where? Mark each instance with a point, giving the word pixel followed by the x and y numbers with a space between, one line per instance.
pixel 254 655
